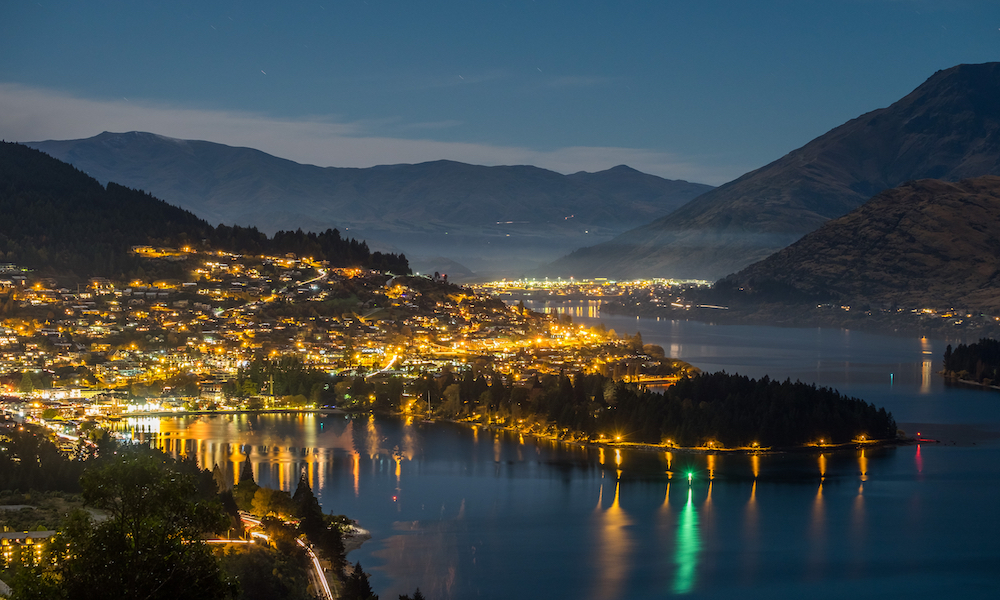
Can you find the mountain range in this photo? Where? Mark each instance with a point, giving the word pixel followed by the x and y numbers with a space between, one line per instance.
pixel 948 128
pixel 490 216
pixel 506 219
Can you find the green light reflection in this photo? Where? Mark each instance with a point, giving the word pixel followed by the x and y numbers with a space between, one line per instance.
pixel 688 545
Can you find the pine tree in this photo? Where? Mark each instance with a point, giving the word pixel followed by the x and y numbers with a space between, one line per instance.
pixel 246 472
pixel 27 386
pixel 307 507
pixel 245 490
pixel 222 482
pixel 357 586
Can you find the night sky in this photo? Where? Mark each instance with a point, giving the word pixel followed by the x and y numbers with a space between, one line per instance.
pixel 700 90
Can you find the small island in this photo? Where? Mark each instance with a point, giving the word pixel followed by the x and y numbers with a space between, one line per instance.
pixel 975 364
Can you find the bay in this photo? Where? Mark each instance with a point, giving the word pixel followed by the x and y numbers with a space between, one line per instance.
pixel 464 512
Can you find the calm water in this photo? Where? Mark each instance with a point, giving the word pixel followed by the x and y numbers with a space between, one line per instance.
pixel 469 513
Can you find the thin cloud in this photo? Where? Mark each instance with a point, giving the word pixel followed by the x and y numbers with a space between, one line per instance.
pixel 578 81
pixel 33 114
pixel 447 124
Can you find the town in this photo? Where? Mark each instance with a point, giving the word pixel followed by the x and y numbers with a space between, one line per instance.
pixel 71 355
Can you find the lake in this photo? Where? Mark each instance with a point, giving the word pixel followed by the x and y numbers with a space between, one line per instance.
pixel 469 513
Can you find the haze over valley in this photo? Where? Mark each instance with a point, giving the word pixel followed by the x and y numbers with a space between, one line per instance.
pixel 501 221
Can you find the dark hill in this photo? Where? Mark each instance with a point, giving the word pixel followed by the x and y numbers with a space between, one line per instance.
pixel 925 244
pixel 948 128
pixel 56 219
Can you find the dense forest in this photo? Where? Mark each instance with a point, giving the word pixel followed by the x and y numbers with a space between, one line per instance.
pixel 58 220
pixel 979 361
pixel 728 410
pixel 735 410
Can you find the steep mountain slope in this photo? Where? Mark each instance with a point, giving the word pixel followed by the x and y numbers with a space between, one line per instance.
pixel 250 187
pixel 57 219
pixel 948 128
pixel 925 244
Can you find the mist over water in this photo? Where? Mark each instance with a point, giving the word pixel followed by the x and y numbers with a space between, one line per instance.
pixel 464 512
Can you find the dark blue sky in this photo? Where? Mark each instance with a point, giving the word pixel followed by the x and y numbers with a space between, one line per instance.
pixel 699 90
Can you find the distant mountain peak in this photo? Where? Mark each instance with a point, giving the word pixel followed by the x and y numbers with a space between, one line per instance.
pixel 947 128
pixel 142 135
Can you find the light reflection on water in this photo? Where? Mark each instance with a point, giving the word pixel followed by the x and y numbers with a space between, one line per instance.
pixel 817 535
pixel 751 536
pixel 613 548
pixel 688 545
pixel 452 515
pixel 858 533
pixel 585 308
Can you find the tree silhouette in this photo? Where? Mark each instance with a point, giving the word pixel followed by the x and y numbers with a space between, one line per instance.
pixel 150 545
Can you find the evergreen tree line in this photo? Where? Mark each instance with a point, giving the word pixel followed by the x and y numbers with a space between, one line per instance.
pixel 326 245
pixel 57 219
pixel 323 531
pixel 738 411
pixel 979 361
pixel 8 304
pixel 30 462
pixel 732 410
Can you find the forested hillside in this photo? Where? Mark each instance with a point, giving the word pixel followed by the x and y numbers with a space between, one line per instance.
pixel 57 220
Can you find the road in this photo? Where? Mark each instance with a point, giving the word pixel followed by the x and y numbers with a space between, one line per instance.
pixel 316 575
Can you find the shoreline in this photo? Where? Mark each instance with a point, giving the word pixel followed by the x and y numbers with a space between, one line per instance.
pixel 969 383
pixel 355 538
pixel 646 447
pixel 889 326
pixel 185 413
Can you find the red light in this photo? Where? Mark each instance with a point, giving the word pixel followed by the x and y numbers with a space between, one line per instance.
pixel 393 498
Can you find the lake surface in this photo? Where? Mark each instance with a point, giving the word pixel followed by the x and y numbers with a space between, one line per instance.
pixel 469 513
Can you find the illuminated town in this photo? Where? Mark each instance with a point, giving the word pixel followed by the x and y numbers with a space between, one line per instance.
pixel 103 349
